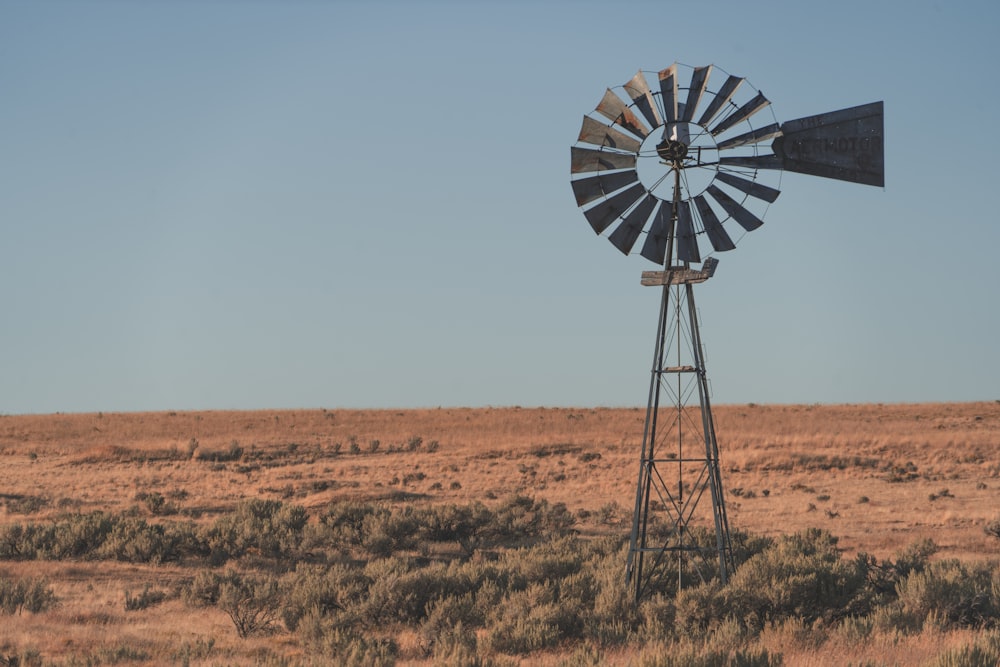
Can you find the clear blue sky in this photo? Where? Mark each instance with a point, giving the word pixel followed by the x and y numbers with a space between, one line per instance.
pixel 223 204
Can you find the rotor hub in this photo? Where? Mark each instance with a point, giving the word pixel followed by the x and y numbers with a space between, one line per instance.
pixel 672 150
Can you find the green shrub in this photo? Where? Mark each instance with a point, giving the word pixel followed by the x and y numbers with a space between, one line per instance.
pixel 452 523
pixel 325 590
pixel 252 603
pixel 856 629
pixel 26 504
pixel 552 560
pixel 531 620
pixel 203 590
pixel 992 528
pixel 746 546
pixel 80 536
pixel 658 617
pixel 99 535
pixel 801 576
pixel 30 594
pixel 156 503
pixel 613 616
pixel 915 557
pixel 401 592
pixel 21 541
pixel 949 594
pixel 346 647
pixel 384 533
pixel 29 658
pixel 269 528
pixel 455 644
pixel 147 598
pixel 344 522
pixel 467 525
pixel 233 453
pixel 521 517
pixel 449 624
pixel 134 540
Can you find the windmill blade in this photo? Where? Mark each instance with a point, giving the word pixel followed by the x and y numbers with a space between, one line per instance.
pixel 752 161
pixel 846 145
pixel 745 218
pixel 717 236
pixel 699 81
pixel 752 188
pixel 668 92
pixel 588 159
pixel 721 99
pixel 593 188
pixel 613 108
pixel 687 244
pixel 625 236
pixel 750 108
pixel 655 247
pixel 752 137
pixel 599 134
pixel 602 215
pixel 587 190
pixel 639 91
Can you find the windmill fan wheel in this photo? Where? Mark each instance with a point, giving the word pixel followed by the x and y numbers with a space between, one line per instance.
pixel 677 161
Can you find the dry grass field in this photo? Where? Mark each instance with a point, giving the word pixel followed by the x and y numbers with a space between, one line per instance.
pixel 879 477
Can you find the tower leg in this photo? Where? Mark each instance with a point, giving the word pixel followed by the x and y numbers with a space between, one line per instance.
pixel 672 542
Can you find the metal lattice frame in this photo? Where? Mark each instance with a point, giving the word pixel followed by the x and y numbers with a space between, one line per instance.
pixel 679 463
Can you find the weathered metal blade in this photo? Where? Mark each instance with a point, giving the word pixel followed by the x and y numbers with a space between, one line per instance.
pixel 699 80
pixel 752 188
pixel 594 132
pixel 587 190
pixel 721 99
pixel 625 236
pixel 750 108
pixel 687 244
pixel 752 137
pixel 752 161
pixel 745 218
pixel 639 91
pixel 602 215
pixel 589 159
pixel 613 108
pixel 717 236
pixel 655 247
pixel 593 188
pixel 846 145
pixel 668 92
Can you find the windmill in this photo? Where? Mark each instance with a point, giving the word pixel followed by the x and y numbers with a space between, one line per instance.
pixel 682 157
